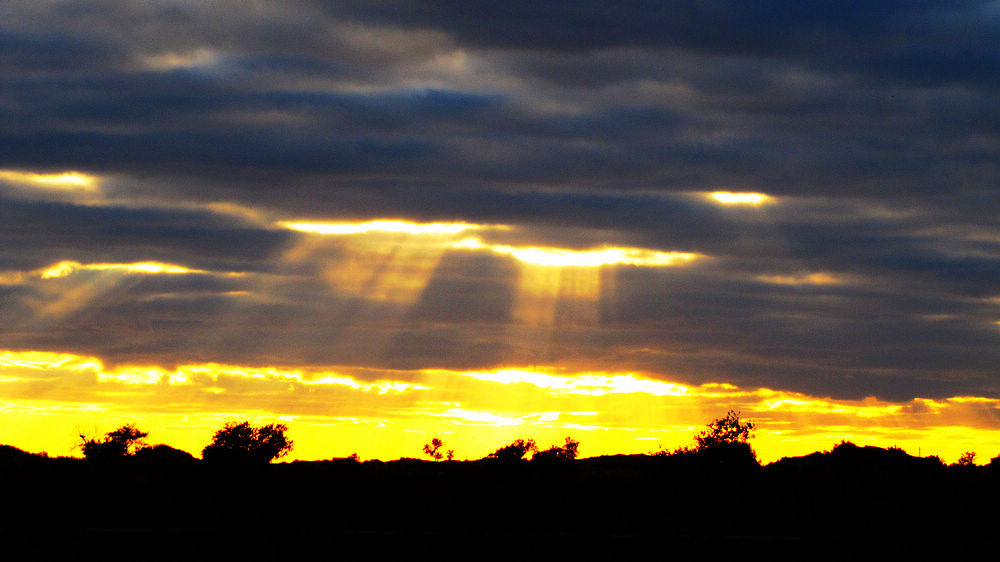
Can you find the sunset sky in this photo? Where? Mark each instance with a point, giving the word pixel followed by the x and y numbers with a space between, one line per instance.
pixel 381 222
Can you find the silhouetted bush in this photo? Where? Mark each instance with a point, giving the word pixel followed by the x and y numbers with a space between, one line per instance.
pixel 843 447
pixel 116 444
pixel 241 443
pixel 515 451
pixel 567 452
pixel 433 450
pixel 968 458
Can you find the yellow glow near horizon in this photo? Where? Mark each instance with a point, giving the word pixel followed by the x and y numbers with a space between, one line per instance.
pixel 47 399
pixel 48 360
pixel 65 268
pixel 393 226
pixel 66 181
pixel 561 257
pixel 730 198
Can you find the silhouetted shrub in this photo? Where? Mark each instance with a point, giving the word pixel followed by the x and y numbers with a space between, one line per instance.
pixel 241 443
pixel 433 450
pixel 567 452
pixel 843 447
pixel 515 451
pixel 968 458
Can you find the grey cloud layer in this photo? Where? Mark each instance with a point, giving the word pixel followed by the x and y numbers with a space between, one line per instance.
pixel 582 123
pixel 786 97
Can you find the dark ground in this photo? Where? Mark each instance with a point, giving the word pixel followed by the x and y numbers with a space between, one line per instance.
pixel 841 501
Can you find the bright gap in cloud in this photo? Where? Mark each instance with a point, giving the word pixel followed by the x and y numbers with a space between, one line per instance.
pixel 396 226
pixel 731 198
pixel 591 384
pixel 561 257
pixel 802 279
pixel 536 255
pixel 195 374
pixel 65 268
pixel 66 181
pixel 173 60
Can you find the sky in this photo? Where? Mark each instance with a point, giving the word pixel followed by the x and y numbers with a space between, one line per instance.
pixel 385 221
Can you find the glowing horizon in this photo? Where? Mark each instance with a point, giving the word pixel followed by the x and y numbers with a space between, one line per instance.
pixel 393 412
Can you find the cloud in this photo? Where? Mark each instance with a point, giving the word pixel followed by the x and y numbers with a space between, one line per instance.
pixel 210 130
pixel 39 233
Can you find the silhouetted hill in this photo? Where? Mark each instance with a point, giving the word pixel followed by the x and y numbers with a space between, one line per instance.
pixel 848 459
pixel 164 454
pixel 841 497
pixel 11 455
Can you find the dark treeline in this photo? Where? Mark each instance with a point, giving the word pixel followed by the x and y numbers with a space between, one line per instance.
pixel 714 492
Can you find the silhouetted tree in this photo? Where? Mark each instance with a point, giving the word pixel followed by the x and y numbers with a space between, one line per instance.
pixel 567 452
pixel 243 443
pixel 515 451
pixel 968 458
pixel 119 443
pixel 724 431
pixel 724 443
pixel 433 449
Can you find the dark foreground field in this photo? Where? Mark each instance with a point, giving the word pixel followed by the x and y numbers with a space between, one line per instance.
pixel 165 504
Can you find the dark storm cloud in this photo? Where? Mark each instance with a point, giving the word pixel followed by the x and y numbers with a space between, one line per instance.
pixel 777 95
pixel 44 52
pixel 34 234
pixel 926 42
